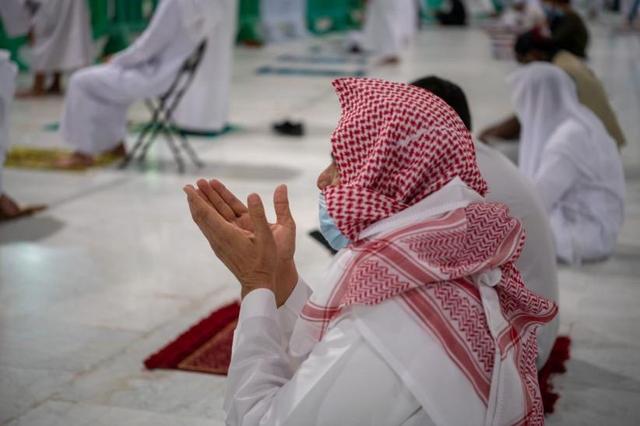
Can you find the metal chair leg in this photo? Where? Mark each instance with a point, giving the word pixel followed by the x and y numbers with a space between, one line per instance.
pixel 173 147
pixel 139 143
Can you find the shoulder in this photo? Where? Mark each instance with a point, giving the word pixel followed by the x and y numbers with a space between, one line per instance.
pixel 569 129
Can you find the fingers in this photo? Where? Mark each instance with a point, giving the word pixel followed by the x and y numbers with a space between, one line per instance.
pixel 258 216
pixel 281 205
pixel 208 219
pixel 232 201
pixel 216 201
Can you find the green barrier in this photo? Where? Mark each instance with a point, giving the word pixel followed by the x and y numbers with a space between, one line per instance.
pixel 13 45
pixel 322 16
pixel 100 14
pixel 331 15
pixel 249 21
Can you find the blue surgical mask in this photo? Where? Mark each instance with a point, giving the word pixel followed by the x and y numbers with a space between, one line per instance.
pixel 328 228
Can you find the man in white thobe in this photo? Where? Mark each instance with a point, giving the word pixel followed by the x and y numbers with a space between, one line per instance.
pixel 204 109
pixel 60 32
pixel 15 18
pixel 507 185
pixel 95 112
pixel 389 27
pixel 9 209
pixel 572 160
pixel 356 353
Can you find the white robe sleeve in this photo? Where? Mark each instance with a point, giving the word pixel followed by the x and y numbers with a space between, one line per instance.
pixel 165 24
pixel 342 381
pixel 555 176
pixel 289 312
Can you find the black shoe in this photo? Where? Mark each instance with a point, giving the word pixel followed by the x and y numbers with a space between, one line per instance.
pixel 289 128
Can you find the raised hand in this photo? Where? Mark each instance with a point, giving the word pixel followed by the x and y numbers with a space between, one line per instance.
pixel 233 211
pixel 250 254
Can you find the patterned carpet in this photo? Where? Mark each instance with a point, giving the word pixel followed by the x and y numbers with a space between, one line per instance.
pixel 27 157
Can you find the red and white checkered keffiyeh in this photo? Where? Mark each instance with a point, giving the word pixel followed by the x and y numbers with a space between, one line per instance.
pixel 394 146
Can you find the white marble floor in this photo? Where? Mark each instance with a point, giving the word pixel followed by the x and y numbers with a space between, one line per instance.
pixel 115 268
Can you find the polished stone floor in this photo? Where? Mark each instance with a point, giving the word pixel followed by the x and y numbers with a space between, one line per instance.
pixel 115 268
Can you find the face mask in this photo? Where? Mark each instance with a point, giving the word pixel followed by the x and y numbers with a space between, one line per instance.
pixel 328 228
pixel 551 11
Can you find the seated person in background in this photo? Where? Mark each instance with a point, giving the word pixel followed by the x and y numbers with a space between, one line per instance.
pixel 94 120
pixel 568 30
pixel 523 16
pixel 60 33
pixel 533 46
pixel 9 209
pixel 568 154
pixel 399 333
pixel 507 185
pixel 457 14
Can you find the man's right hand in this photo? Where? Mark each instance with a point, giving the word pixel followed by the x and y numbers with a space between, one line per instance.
pixel 284 229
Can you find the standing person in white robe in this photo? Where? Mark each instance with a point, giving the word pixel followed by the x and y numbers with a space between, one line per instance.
pixel 507 185
pixel 389 27
pixel 283 19
pixel 9 209
pixel 204 109
pixel 61 42
pixel 572 160
pixel 94 120
pixel 15 18
pixel 418 322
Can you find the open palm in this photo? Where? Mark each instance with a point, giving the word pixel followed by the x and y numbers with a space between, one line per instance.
pixel 235 212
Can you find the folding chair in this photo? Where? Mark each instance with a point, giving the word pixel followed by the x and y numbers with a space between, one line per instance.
pixel 162 116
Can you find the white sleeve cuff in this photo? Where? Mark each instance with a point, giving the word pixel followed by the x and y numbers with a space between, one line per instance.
pixel 258 303
pixel 297 298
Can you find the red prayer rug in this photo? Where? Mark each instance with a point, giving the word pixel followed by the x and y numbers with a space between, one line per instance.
pixel 206 348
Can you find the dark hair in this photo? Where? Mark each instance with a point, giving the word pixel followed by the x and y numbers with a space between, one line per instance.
pixel 534 40
pixel 449 92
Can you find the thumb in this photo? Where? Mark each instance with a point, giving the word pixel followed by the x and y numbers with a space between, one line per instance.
pixel 258 216
pixel 281 205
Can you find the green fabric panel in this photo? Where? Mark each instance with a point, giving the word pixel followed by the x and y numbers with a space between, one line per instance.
pixel 330 15
pixel 249 21
pixel 13 46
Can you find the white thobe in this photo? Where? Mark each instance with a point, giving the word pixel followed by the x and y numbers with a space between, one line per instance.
pixel 62 33
pixel 375 365
pixel 8 72
pixel 389 26
pixel 205 105
pixel 98 97
pixel 15 17
pixel 343 381
pixel 572 160
pixel 283 19
pixel 537 262
pixel 586 210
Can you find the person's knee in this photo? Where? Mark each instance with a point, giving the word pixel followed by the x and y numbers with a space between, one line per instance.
pixel 82 80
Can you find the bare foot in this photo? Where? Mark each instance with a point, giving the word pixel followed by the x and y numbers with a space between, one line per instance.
pixel 389 60
pixel 32 93
pixel 56 86
pixel 119 151
pixel 54 90
pixel 9 209
pixel 76 161
pixel 37 90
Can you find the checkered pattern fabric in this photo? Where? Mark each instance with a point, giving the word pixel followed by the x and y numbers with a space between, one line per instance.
pixel 394 145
